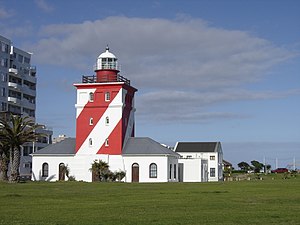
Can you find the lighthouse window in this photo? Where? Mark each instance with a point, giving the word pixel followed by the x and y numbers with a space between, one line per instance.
pixel 90 141
pixel 91 97
pixel 91 121
pixel 107 120
pixel 107 96
pixel 106 142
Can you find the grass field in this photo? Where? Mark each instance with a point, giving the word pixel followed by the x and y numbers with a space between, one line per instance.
pixel 244 202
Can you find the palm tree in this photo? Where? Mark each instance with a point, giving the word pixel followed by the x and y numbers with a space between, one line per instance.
pixel 100 169
pixel 4 160
pixel 17 131
pixel 4 155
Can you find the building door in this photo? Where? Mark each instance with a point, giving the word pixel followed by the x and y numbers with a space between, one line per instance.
pixel 62 171
pixel 135 172
pixel 180 172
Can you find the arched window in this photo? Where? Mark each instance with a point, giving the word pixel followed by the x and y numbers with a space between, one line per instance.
pixel 153 170
pixel 91 121
pixel 90 142
pixel 45 170
pixel 106 142
pixel 91 97
pixel 107 120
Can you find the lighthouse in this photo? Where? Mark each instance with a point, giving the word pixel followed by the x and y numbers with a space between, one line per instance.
pixel 105 131
pixel 104 109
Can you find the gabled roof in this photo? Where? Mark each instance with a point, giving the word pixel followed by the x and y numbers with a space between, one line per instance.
pixel 146 146
pixel 197 147
pixel 65 147
pixel 226 163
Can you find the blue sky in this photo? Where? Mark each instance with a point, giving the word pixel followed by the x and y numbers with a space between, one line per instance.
pixel 206 70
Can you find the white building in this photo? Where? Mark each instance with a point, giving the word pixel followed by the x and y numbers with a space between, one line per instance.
pixel 105 125
pixel 200 161
pixel 18 94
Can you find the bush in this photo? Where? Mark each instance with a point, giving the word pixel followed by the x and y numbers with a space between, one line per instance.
pixel 71 178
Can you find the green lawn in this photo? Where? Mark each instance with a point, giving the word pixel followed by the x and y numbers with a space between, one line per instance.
pixel 244 202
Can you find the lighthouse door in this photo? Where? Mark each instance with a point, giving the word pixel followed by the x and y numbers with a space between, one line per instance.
pixel 135 172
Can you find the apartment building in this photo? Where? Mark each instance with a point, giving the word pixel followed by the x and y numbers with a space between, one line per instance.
pixel 18 94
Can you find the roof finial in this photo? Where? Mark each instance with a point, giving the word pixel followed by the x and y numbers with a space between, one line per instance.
pixel 107 48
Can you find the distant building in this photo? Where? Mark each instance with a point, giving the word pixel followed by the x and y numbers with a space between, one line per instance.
pixel 60 138
pixel 18 94
pixel 227 165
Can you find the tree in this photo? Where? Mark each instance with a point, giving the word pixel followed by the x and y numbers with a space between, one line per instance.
pixel 15 132
pixel 120 175
pixel 257 166
pixel 101 172
pixel 4 160
pixel 100 169
pixel 65 171
pixel 244 166
pixel 268 168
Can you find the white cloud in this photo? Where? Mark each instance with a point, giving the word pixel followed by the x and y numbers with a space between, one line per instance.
pixel 180 62
pixel 43 5
pixel 191 106
pixel 181 52
pixel 16 32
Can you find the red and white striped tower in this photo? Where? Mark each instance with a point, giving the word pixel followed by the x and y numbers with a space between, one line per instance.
pixel 104 109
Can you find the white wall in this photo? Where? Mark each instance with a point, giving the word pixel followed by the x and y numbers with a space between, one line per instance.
pixel 79 165
pixel 53 163
pixel 191 170
pixel 144 162
pixel 211 163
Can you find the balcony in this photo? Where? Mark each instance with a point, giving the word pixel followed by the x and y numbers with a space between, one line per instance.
pixel 28 104
pixel 14 85
pixel 29 78
pixel 32 71
pixel 13 71
pixel 13 100
pixel 105 79
pixel 29 91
